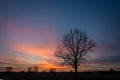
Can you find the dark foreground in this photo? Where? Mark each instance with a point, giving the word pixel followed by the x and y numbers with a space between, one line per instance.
pixel 60 76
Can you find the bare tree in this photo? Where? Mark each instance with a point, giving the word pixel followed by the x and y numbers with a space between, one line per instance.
pixel 52 70
pixel 9 69
pixel 35 68
pixel 73 48
pixel 29 69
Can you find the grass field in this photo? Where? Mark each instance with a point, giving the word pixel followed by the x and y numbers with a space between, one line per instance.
pixel 60 76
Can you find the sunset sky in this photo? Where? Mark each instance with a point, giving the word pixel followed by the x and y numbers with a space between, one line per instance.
pixel 31 29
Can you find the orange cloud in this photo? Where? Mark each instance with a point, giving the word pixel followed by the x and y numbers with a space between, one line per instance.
pixel 48 65
pixel 29 40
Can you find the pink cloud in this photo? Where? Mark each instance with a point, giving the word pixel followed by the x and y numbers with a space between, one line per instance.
pixel 29 39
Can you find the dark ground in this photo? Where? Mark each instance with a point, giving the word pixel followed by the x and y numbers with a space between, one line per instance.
pixel 60 76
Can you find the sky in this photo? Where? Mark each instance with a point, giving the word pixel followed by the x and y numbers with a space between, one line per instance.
pixel 31 29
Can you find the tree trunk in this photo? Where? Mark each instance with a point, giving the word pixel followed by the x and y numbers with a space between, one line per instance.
pixel 76 71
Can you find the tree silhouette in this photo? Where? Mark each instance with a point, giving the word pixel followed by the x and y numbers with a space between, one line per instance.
pixel 52 70
pixel 29 69
pixel 73 48
pixel 9 69
pixel 35 68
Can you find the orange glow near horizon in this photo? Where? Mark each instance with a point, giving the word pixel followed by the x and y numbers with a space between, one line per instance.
pixel 31 46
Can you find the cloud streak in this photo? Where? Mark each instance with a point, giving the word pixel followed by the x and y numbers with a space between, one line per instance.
pixel 25 41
